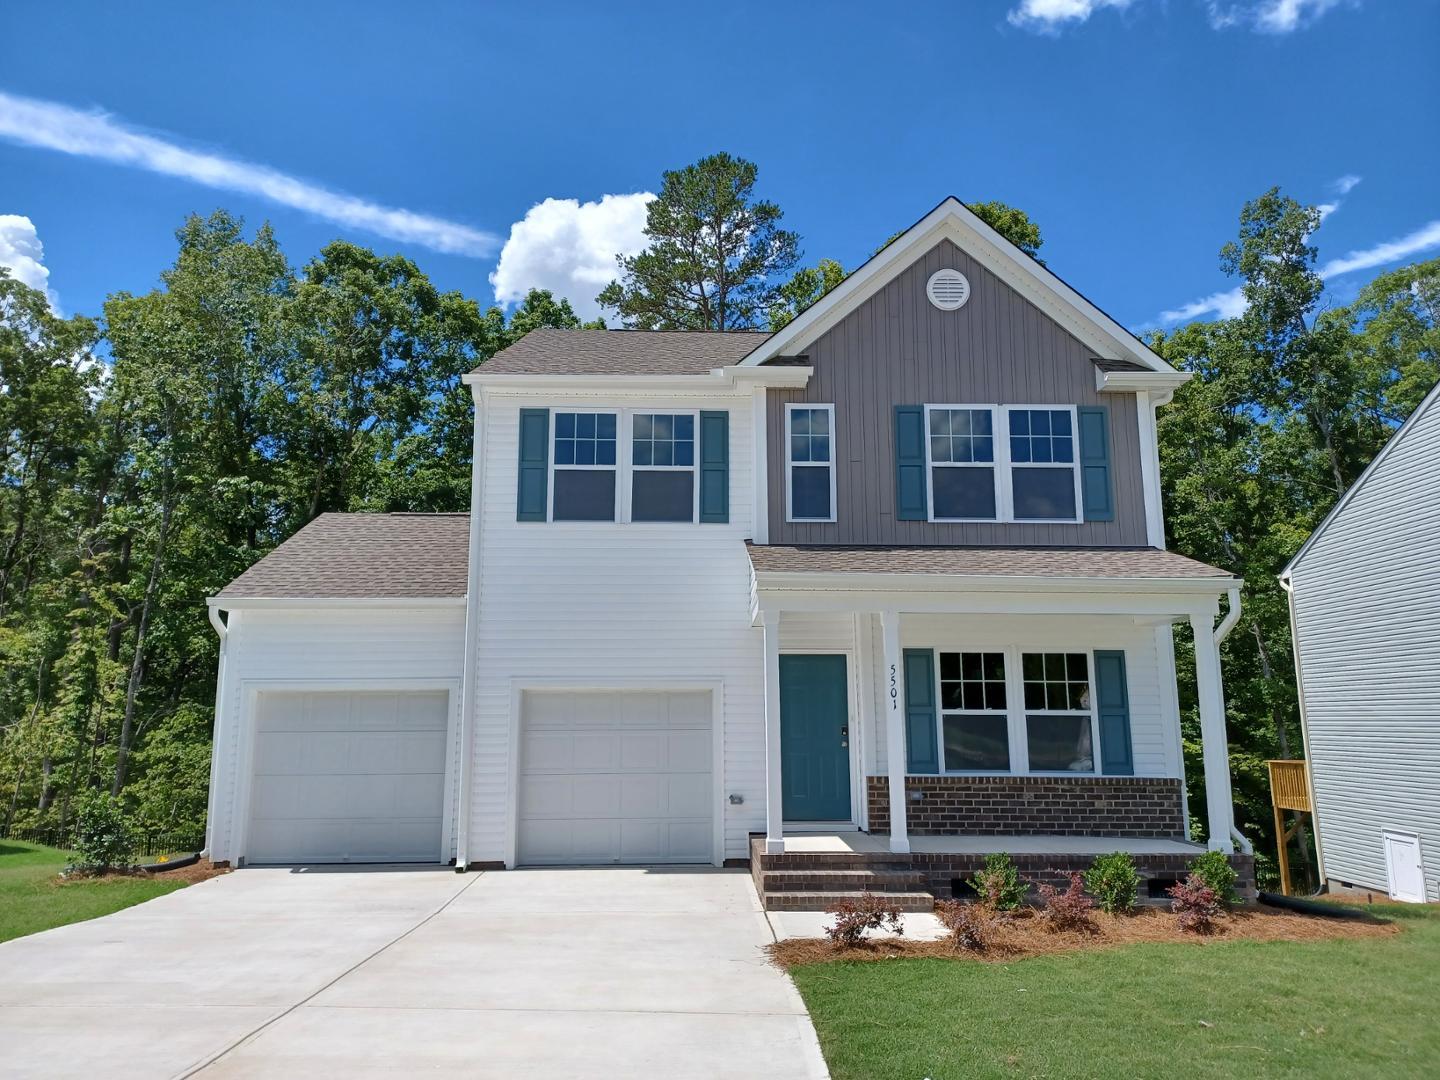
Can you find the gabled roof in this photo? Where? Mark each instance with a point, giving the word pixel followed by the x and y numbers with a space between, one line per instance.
pixel 363 557
pixel 1404 430
pixel 550 351
pixel 1041 286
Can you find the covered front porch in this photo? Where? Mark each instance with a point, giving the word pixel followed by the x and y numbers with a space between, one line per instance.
pixel 1018 700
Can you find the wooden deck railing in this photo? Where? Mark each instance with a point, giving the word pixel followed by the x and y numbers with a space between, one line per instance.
pixel 1289 790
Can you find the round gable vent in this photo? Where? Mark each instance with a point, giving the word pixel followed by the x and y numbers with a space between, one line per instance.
pixel 948 289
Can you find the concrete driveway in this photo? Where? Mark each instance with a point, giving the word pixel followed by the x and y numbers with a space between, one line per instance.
pixel 360 972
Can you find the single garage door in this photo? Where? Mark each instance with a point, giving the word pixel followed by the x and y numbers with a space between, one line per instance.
pixel 616 778
pixel 348 777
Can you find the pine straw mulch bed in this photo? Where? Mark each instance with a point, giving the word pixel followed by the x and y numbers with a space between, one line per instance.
pixel 203 870
pixel 1025 935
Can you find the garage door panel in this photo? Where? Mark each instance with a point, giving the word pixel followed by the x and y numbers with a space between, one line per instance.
pixel 617 777
pixel 342 777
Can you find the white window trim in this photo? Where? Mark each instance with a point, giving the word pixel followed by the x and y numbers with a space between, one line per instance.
pixel 623 468
pixel 791 406
pixel 1002 466
pixel 1015 712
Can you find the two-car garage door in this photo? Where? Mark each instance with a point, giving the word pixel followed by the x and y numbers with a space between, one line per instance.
pixel 616 777
pixel 348 777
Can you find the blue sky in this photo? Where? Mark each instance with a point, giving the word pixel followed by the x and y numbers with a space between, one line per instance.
pixel 1131 130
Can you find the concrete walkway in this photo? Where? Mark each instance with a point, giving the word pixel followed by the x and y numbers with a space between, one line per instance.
pixel 353 972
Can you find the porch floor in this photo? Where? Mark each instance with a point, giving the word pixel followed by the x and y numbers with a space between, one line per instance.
pixel 840 843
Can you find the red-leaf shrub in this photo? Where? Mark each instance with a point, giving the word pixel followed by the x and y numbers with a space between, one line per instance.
pixel 1068 910
pixel 969 924
pixel 1195 905
pixel 854 917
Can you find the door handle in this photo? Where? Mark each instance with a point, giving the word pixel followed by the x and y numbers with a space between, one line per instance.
pixel 845 736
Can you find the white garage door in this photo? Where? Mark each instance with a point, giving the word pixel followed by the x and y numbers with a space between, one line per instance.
pixel 348 777
pixel 616 778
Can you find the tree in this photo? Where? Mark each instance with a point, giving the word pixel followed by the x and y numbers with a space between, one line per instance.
pixel 1011 223
pixel 809 284
pixel 714 257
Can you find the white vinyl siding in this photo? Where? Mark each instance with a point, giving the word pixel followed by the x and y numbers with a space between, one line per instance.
pixel 1367 608
pixel 575 605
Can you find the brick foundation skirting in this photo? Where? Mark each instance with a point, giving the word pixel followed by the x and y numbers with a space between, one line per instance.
pixel 1033 805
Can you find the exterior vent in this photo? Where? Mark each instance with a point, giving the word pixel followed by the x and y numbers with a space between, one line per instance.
pixel 948 289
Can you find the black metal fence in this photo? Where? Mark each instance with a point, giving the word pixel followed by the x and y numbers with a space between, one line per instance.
pixel 147 845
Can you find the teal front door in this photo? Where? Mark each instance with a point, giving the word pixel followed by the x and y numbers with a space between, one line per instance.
pixel 815 738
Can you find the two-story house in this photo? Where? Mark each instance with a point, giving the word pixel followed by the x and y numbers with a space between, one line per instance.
pixel 857 602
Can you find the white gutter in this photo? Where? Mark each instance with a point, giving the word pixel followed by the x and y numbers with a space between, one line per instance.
pixel 310 603
pixel 1126 382
pixel 224 632
pixel 735 379
pixel 1221 632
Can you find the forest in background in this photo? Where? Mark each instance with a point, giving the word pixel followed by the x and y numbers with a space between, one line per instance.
pixel 154 452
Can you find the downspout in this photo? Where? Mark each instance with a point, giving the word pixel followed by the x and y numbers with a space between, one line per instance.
pixel 1221 632
pixel 224 632
pixel 470 659
pixel 1288 584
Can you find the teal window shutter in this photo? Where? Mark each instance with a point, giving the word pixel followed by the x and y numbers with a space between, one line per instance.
pixel 715 467
pixel 1096 485
pixel 910 493
pixel 1113 699
pixel 533 488
pixel 922 750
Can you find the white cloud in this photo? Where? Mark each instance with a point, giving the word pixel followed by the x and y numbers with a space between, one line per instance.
pixel 1346 184
pixel 569 247
pixel 1229 304
pixel 1341 187
pixel 1269 16
pixel 1051 15
pixel 95 134
pixel 24 256
pixel 1422 239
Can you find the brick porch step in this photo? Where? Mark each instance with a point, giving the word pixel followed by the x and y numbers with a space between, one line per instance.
pixel 850 879
pixel 809 900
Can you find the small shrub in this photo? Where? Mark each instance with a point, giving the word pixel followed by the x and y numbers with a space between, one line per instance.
pixel 1113 881
pixel 102 836
pixel 854 917
pixel 1214 869
pixel 1195 905
pixel 999 883
pixel 969 924
pixel 1068 910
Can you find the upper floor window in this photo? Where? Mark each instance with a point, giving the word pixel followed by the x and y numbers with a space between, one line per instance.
pixel 662 477
pixel 584 482
pixel 1002 463
pixel 810 462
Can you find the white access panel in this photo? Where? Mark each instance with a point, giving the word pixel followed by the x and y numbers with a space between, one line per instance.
pixel 615 777
pixel 1403 868
pixel 348 777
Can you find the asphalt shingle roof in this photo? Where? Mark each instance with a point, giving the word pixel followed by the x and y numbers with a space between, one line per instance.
pixel 982 561
pixel 364 556
pixel 548 351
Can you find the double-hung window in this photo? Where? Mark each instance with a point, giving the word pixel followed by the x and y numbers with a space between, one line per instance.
pixel 662 467
pixel 974 722
pixel 585 471
pixel 1044 477
pixel 1059 725
pixel 1003 463
pixel 810 462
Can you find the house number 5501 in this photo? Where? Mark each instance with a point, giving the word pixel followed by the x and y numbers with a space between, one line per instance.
pixel 894 690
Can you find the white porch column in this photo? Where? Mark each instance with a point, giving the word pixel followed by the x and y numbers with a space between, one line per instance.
pixel 1219 803
pixel 774 788
pixel 894 691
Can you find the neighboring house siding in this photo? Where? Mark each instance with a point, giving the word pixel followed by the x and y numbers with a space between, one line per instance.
pixel 342 648
pixel 897 349
pixel 1367 607
pixel 602 604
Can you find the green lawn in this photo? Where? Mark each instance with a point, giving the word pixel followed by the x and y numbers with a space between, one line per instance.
pixel 1243 1009
pixel 31 900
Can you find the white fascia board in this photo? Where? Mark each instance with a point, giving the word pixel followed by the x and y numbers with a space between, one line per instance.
pixel 1172 605
pixel 953 220
pixel 318 603
pixel 811 581
pixel 1126 382
pixel 734 380
pixel 1425 405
